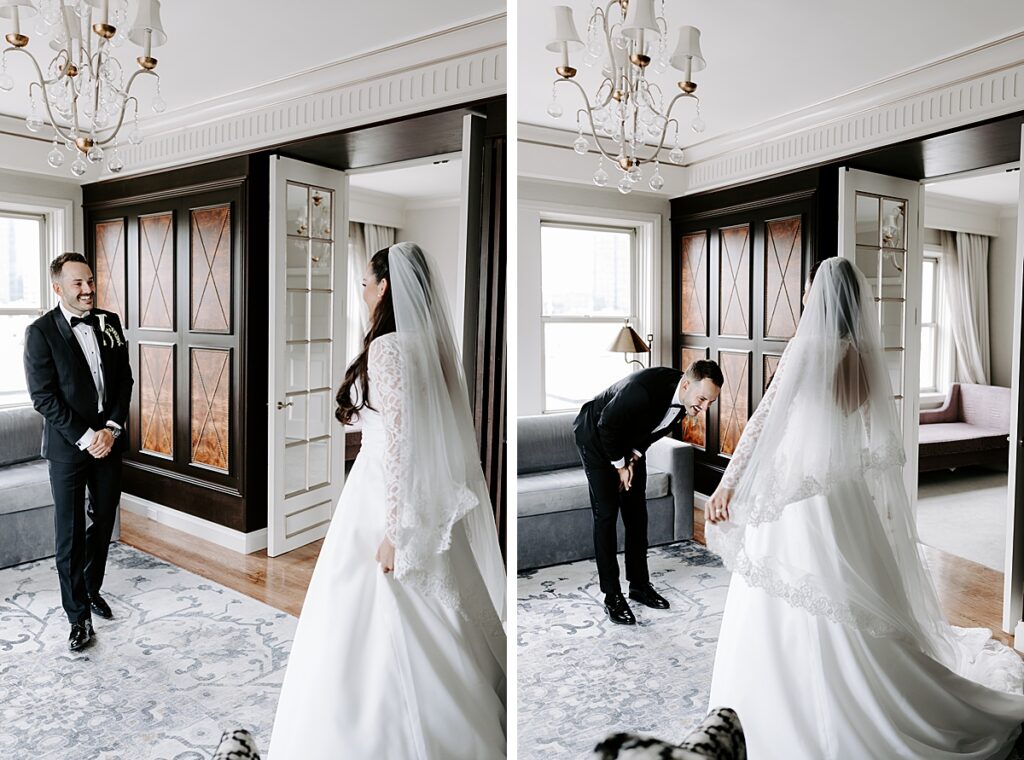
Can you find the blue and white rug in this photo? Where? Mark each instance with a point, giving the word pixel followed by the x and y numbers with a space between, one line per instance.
pixel 582 677
pixel 183 660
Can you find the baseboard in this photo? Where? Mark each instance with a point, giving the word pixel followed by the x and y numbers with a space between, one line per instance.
pixel 243 543
pixel 699 500
pixel 1018 637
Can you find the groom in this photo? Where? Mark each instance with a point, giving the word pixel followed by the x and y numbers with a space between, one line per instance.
pixel 76 364
pixel 613 432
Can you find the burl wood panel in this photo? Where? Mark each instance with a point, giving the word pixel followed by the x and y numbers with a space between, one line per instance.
pixel 695 429
pixel 771 363
pixel 110 272
pixel 156 272
pixel 733 404
pixel 210 276
pixel 782 281
pixel 734 281
pixel 210 379
pixel 694 286
pixel 156 397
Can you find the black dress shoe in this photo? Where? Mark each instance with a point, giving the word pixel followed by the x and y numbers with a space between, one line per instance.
pixel 647 596
pixel 81 634
pixel 100 606
pixel 618 609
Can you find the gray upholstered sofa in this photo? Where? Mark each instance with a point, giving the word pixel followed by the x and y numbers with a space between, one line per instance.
pixel 554 521
pixel 26 504
pixel 971 428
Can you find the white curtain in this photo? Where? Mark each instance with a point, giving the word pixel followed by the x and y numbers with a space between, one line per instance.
pixel 364 240
pixel 964 269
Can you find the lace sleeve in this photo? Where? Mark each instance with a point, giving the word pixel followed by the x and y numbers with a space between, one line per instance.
pixel 387 378
pixel 752 432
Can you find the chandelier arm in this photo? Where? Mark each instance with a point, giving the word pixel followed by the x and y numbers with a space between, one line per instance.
pixel 120 121
pixel 590 118
pixel 669 121
pixel 41 84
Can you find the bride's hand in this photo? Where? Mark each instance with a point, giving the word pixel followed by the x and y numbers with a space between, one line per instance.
pixel 386 556
pixel 717 508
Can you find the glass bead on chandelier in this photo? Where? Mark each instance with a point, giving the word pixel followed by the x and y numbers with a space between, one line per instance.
pixel 627 119
pixel 81 94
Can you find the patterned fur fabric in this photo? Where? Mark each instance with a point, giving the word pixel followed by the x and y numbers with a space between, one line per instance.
pixel 718 737
pixel 236 745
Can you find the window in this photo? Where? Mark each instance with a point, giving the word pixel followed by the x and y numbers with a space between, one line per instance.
pixel 588 292
pixel 23 296
pixel 931 347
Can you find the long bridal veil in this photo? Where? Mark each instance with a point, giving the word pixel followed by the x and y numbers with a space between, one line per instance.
pixel 438 487
pixel 829 417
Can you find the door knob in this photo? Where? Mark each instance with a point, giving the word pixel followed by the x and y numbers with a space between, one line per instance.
pixel 283 404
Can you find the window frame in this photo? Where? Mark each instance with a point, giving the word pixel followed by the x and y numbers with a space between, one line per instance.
pixel 635 289
pixel 943 355
pixel 46 298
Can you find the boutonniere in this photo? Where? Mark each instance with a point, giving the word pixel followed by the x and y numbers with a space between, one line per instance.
pixel 110 335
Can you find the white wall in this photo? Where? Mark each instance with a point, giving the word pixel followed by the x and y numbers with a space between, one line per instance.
pixel 35 188
pixel 435 227
pixel 1001 275
pixel 534 197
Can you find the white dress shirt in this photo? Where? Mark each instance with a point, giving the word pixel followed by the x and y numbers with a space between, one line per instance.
pixel 86 337
pixel 665 422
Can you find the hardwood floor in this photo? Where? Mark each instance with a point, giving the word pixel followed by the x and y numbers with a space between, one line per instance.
pixel 971 594
pixel 278 581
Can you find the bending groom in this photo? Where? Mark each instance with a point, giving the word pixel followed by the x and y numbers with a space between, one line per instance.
pixel 76 364
pixel 613 432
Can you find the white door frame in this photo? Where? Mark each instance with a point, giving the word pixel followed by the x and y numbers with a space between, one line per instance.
pixel 304 517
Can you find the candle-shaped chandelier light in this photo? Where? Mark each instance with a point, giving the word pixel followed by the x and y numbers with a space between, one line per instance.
pixel 628 113
pixel 81 90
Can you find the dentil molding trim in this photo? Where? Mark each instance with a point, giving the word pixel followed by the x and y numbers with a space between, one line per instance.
pixel 439 70
pixel 982 83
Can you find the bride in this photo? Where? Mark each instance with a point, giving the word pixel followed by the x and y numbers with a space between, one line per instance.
pixel 400 649
pixel 833 644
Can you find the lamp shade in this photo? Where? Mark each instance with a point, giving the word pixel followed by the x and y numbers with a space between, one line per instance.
pixel 565 31
pixel 24 8
pixel 640 18
pixel 628 342
pixel 148 17
pixel 688 49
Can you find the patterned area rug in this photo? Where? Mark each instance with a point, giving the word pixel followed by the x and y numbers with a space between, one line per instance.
pixel 182 660
pixel 582 677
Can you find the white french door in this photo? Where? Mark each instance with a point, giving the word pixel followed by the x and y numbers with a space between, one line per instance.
pixel 1013 579
pixel 308 274
pixel 880 231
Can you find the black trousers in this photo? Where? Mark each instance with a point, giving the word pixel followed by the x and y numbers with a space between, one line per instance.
pixel 607 502
pixel 81 548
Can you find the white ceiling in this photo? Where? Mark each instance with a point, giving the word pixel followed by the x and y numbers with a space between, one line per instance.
pixel 767 59
pixel 424 182
pixel 219 48
pixel 999 189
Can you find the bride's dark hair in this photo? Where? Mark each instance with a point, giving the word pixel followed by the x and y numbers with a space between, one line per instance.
pixel 848 293
pixel 382 322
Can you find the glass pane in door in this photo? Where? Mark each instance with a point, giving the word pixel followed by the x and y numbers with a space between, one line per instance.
pixel 309 336
pixel 881 254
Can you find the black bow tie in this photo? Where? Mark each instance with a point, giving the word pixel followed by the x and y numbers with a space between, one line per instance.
pixel 676 406
pixel 88 319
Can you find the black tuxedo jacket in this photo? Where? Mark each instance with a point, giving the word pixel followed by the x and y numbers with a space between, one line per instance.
pixel 62 388
pixel 624 417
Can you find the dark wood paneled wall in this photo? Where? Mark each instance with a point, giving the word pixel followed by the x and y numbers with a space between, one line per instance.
pixel 174 253
pixel 740 257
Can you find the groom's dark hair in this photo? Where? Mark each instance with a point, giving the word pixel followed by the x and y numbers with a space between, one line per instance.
pixel 705 369
pixel 57 265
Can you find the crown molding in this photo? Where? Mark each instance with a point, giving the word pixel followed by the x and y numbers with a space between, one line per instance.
pixel 974 85
pixel 438 70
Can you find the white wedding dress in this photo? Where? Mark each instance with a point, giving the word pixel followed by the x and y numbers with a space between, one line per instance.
pixel 832 645
pixel 379 670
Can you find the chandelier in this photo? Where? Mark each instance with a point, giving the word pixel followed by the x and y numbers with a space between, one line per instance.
pixel 82 90
pixel 628 111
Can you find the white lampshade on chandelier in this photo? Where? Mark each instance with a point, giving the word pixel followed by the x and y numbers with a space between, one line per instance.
pixel 628 114
pixel 80 92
